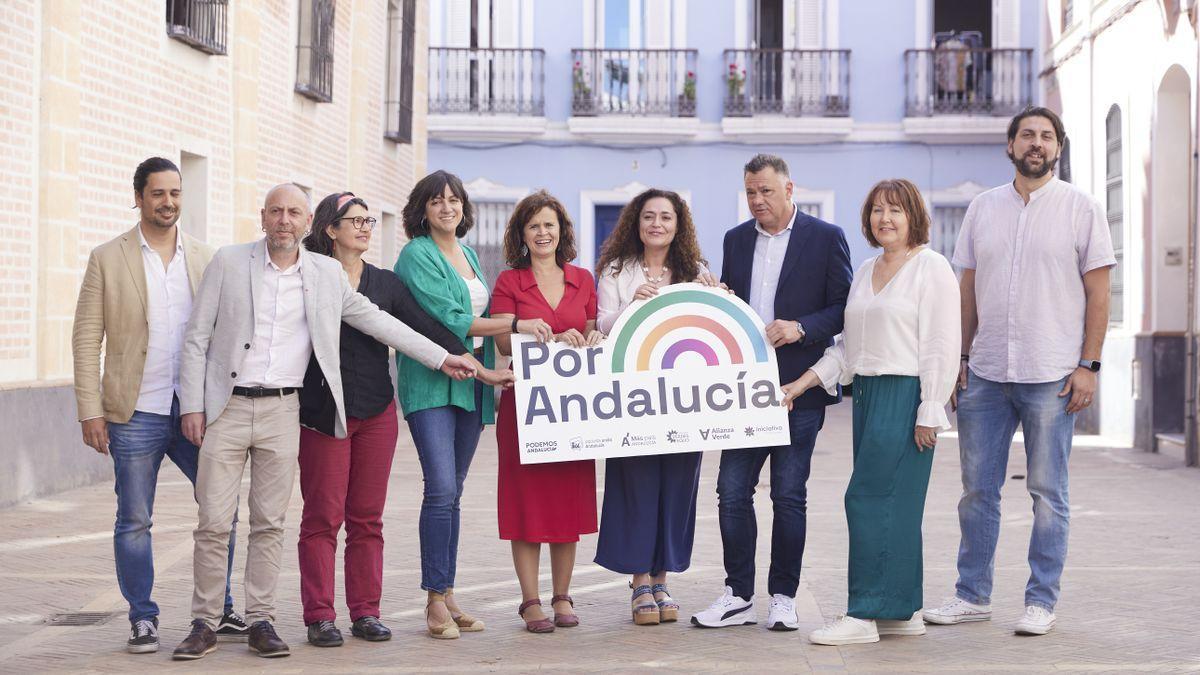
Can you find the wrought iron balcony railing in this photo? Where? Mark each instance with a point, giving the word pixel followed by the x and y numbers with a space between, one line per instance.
pixel 793 82
pixel 950 81
pixel 199 23
pixel 465 80
pixel 660 82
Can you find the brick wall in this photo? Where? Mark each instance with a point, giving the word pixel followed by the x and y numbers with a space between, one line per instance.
pixel 111 88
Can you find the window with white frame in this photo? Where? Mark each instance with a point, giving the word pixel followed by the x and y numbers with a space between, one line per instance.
pixel 1115 207
pixel 487 237
pixel 946 222
pixel 815 203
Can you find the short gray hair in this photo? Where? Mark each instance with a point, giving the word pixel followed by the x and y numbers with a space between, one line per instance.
pixel 763 160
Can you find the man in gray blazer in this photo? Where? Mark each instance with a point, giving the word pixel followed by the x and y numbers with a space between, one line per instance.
pixel 261 311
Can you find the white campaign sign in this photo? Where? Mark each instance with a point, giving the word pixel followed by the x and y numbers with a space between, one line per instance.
pixel 687 370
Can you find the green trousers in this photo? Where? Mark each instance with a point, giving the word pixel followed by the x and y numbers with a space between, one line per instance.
pixel 886 499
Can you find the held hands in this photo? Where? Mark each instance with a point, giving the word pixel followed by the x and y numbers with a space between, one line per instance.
pixel 496 378
pixel 95 434
pixel 780 332
pixel 574 338
pixel 960 386
pixel 192 425
pixel 537 328
pixel 459 367
pixel 926 437
pixel 1081 387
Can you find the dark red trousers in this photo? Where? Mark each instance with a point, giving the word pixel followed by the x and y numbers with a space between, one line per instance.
pixel 345 480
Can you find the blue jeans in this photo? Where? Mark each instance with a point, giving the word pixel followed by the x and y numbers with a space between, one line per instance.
pixel 790 465
pixel 137 448
pixel 988 414
pixel 446 438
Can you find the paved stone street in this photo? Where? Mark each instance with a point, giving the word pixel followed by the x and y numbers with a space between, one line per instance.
pixel 1129 598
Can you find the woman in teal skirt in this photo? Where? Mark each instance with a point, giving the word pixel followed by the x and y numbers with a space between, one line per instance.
pixel 900 347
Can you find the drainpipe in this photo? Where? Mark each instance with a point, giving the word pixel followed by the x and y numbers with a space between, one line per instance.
pixel 1191 447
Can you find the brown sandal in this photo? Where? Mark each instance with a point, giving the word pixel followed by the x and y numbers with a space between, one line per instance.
pixel 564 620
pixel 645 614
pixel 465 622
pixel 537 625
pixel 447 630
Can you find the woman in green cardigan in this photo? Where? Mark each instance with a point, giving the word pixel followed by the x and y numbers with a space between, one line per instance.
pixel 446 417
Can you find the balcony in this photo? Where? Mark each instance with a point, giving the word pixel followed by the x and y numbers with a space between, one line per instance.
pixel 960 94
pixel 486 94
pixel 787 95
pixel 202 24
pixel 621 94
pixel 789 82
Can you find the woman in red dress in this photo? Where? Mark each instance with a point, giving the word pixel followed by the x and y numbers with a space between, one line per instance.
pixel 543 503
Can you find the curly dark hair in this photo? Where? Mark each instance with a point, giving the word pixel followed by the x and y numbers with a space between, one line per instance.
pixel 516 254
pixel 624 245
pixel 425 191
pixel 327 213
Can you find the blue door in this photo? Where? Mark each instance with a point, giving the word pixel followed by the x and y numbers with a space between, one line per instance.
pixel 606 222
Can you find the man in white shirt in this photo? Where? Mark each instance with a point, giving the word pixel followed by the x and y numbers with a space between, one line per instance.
pixel 262 310
pixel 135 299
pixel 1036 255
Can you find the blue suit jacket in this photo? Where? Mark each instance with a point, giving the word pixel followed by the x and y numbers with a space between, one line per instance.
pixel 813 286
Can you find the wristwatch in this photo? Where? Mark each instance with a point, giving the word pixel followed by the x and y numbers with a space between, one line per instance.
pixel 800 327
pixel 1093 366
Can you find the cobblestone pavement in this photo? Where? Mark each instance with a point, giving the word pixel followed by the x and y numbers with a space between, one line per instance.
pixel 1129 599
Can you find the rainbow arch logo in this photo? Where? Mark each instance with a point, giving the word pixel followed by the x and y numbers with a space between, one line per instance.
pixel 718 314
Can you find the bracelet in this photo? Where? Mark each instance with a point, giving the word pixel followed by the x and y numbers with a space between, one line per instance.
pixel 965 358
pixel 514 324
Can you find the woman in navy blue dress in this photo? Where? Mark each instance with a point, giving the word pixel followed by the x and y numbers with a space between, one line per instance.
pixel 649 517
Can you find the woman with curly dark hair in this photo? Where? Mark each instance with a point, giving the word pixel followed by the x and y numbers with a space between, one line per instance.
pixel 649 515
pixel 543 503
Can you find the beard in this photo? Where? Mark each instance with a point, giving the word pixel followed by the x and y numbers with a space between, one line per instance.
pixel 283 243
pixel 160 219
pixel 1027 168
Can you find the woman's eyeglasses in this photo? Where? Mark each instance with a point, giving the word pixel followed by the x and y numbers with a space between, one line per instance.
pixel 361 223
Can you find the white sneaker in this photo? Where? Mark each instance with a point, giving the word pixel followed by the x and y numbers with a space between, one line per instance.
pixel 911 626
pixel 957 610
pixel 782 614
pixel 728 610
pixel 1037 621
pixel 847 630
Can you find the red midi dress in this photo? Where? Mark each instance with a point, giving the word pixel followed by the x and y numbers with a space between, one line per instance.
pixel 546 503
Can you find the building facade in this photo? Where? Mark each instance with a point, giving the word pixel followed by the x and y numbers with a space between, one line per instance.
pixel 1123 74
pixel 596 99
pixel 241 95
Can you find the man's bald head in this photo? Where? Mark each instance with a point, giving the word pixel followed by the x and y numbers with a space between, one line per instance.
pixel 285 190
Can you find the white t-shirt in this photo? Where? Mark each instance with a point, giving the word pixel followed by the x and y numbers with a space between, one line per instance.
pixel 479 302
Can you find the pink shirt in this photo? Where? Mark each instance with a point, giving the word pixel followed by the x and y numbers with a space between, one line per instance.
pixel 1029 262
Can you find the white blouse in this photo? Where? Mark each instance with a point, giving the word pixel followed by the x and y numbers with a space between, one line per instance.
pixel 615 291
pixel 911 327
pixel 479 302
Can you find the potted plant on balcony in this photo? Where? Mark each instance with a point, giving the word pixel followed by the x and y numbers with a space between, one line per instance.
pixel 687 100
pixel 735 81
pixel 582 102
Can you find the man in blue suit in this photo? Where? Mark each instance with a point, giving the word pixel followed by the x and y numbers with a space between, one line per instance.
pixel 794 270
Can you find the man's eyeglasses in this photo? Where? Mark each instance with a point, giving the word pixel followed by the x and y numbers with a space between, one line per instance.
pixel 361 223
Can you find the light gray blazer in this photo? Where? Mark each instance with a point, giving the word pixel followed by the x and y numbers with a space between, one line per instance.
pixel 222 324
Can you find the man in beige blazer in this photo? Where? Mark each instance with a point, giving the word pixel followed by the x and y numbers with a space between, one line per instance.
pixel 135 299
pixel 262 310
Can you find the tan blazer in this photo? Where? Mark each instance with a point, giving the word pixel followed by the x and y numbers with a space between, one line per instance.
pixel 112 310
